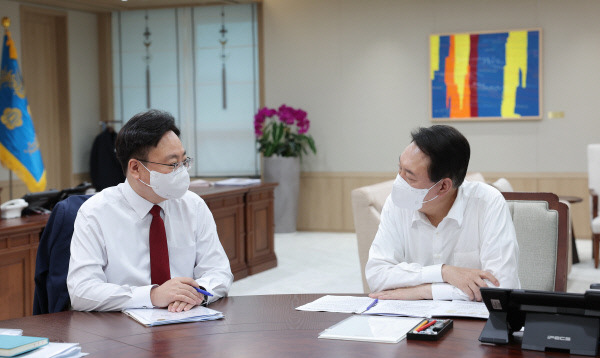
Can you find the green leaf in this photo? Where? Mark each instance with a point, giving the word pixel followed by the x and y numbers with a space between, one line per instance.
pixel 311 143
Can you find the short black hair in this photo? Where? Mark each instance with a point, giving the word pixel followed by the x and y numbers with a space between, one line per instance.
pixel 448 150
pixel 142 132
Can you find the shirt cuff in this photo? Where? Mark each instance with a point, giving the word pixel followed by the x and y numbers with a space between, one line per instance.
pixel 442 291
pixel 432 273
pixel 141 297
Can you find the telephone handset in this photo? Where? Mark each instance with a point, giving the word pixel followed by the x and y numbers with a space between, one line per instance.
pixel 13 203
pixel 12 208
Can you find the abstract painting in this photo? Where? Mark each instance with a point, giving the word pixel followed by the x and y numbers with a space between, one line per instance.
pixel 485 76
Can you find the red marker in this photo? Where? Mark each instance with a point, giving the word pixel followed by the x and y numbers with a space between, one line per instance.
pixel 426 326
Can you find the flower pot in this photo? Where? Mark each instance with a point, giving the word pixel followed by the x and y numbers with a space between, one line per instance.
pixel 286 172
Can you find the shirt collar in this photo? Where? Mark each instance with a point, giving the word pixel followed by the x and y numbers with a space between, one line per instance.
pixel 456 212
pixel 140 205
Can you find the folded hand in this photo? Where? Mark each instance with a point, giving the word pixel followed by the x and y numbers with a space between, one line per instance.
pixel 178 289
pixel 468 280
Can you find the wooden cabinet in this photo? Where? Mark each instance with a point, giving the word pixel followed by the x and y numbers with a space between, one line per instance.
pixel 19 240
pixel 245 224
pixel 227 207
pixel 260 229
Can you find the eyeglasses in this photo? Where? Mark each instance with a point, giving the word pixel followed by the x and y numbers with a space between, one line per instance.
pixel 187 164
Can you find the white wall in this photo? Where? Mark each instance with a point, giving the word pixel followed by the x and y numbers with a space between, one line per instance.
pixel 360 70
pixel 83 80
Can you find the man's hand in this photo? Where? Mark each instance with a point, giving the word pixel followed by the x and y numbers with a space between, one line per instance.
pixel 179 306
pixel 421 292
pixel 178 289
pixel 468 280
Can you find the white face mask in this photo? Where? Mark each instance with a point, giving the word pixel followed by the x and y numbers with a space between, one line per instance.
pixel 169 186
pixel 405 196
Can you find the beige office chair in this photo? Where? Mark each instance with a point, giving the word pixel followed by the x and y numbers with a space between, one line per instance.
pixel 503 185
pixel 367 202
pixel 542 226
pixel 593 157
pixel 538 221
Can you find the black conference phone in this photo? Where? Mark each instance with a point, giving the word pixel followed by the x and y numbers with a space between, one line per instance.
pixel 552 320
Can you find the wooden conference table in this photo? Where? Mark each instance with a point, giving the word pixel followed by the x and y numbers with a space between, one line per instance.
pixel 254 326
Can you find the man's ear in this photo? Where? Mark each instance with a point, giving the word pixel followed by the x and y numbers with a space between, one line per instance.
pixel 446 186
pixel 134 167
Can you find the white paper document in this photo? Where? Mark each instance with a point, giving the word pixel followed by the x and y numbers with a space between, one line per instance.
pixel 237 182
pixel 56 350
pixel 371 329
pixel 200 183
pixel 429 308
pixel 343 304
pixel 159 316
pixel 421 308
pixel 11 331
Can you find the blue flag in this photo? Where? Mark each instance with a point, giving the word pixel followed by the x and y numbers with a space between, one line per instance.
pixel 19 147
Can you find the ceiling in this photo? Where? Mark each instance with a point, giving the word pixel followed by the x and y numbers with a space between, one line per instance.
pixel 119 5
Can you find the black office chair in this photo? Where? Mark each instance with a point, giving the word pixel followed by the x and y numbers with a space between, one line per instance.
pixel 53 255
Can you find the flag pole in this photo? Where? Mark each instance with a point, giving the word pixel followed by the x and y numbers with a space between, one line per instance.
pixel 6 25
pixel 10 193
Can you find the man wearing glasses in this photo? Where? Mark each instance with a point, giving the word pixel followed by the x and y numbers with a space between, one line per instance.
pixel 147 242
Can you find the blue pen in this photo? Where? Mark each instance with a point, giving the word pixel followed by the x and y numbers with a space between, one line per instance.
pixel 372 304
pixel 203 292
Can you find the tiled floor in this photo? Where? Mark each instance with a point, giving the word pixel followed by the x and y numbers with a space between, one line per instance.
pixel 308 262
pixel 318 262
pixel 583 274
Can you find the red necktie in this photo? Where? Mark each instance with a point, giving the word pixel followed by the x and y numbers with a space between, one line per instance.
pixel 159 251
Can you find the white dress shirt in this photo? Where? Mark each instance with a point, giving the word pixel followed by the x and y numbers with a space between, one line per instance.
pixel 477 233
pixel 110 257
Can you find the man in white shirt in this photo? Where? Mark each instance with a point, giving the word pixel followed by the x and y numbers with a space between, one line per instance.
pixel 148 242
pixel 440 237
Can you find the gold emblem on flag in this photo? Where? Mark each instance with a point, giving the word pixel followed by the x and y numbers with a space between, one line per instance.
pixel 12 118
pixel 32 147
pixel 12 81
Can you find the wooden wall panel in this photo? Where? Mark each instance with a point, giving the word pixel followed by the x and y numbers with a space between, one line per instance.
pixel 352 182
pixel 320 203
pixel 325 204
pixel 45 72
pixel 105 70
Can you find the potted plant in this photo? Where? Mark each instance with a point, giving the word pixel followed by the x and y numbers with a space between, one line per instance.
pixel 282 140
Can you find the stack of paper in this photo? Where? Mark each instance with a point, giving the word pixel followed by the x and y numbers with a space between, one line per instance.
pixel 56 350
pixel 159 316
pixel 429 308
pixel 198 183
pixel 423 308
pixel 237 182
pixel 11 331
pixel 49 350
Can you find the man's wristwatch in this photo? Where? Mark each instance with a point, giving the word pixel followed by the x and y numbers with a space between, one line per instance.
pixel 205 300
